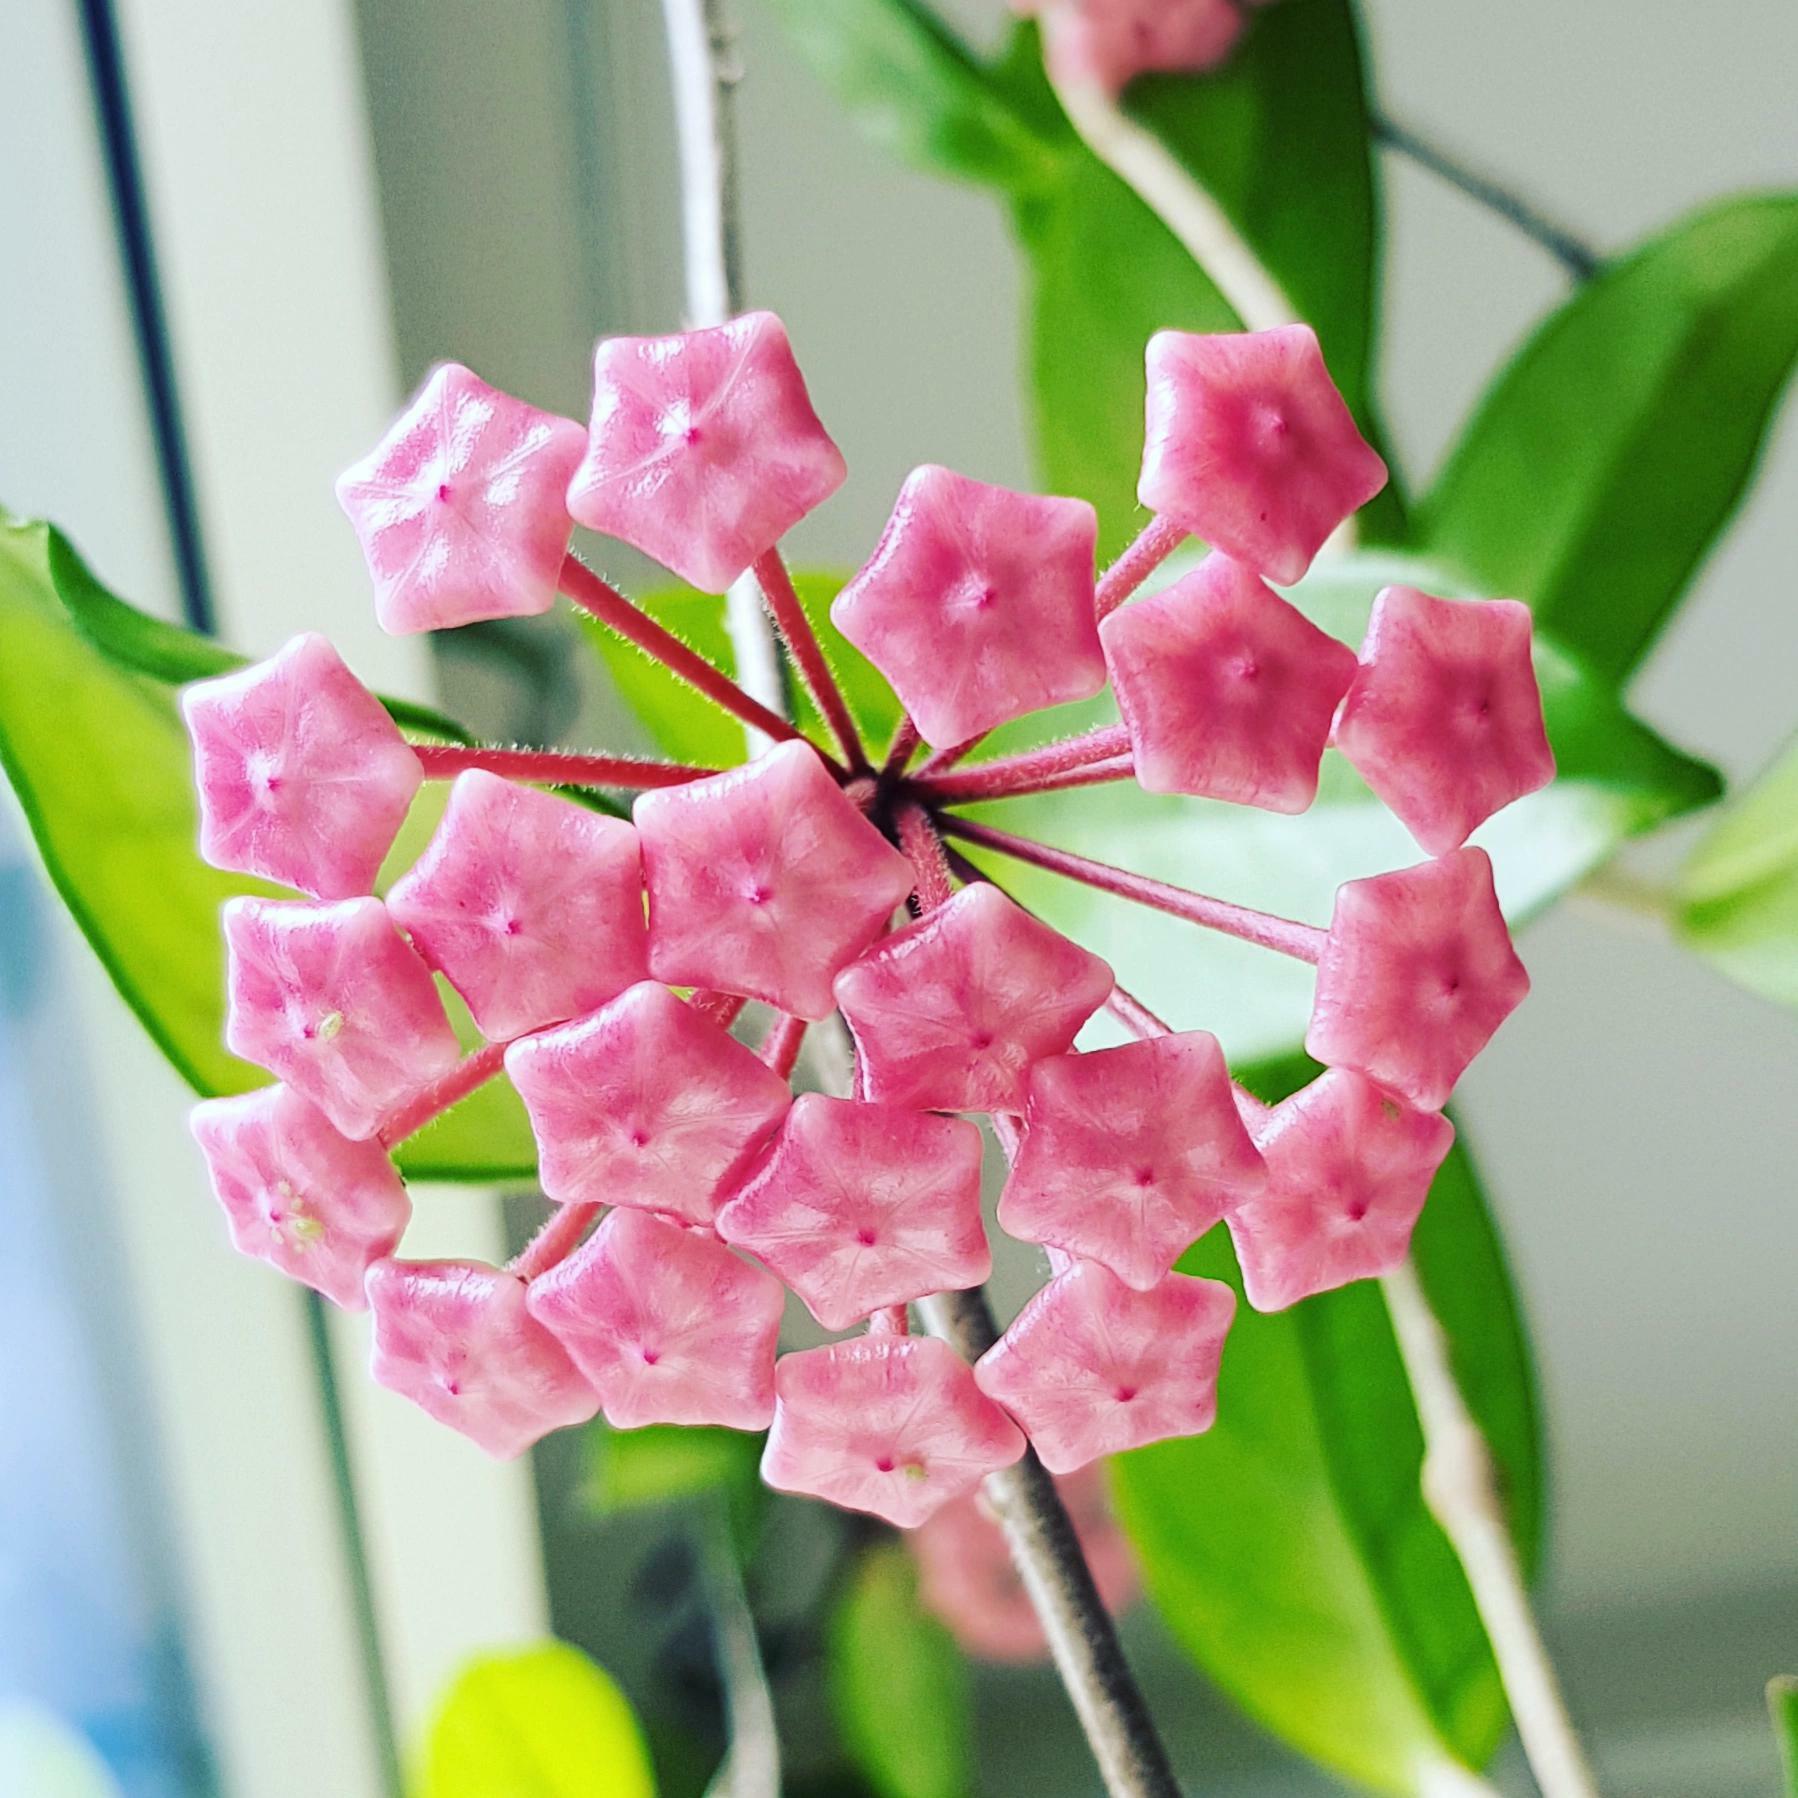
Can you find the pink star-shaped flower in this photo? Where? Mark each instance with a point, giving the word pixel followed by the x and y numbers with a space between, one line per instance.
pixel 1416 975
pixel 859 1206
pixel 330 999
pixel 645 1103
pixel 1251 447
pixel 456 1339
pixel 529 905
pixel 704 450
pixel 1110 42
pixel 966 1575
pixel 1444 719
pixel 460 507
pixel 1227 691
pixel 889 1424
pixel 765 881
pixel 1348 1170
pixel 667 1323
pixel 1129 1155
pixel 1092 1367
pixel 978 604
pixel 949 1013
pixel 299 1194
pixel 303 777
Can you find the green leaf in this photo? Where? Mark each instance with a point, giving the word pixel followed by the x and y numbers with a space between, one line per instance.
pixel 899 1685
pixel 690 728
pixel 1609 454
pixel 93 746
pixel 669 1464
pixel 1309 1580
pixel 540 1722
pixel 1782 1704
pixel 915 90
pixel 1736 901
pixel 1616 778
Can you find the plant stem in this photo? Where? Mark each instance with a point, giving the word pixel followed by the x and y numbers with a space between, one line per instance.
pixel 1305 942
pixel 471 1071
pixel 902 748
pixel 601 600
pixel 556 1241
pixel 1152 545
pixel 704 73
pixel 722 1009
pixel 808 655
pixel 1082 1638
pixel 780 1048
pixel 1012 774
pixel 554 767
pixel 1576 256
pixel 1461 1490
pixel 924 850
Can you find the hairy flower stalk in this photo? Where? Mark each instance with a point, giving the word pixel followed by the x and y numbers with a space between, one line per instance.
pixel 607 964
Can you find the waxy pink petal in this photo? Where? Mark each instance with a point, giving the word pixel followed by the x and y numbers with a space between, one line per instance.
pixel 456 1339
pixel 1250 446
pixel 1129 1155
pixel 1110 42
pixel 460 507
pixel 299 1194
pixel 978 604
pixel 1444 720
pixel 1227 691
pixel 1092 1367
pixel 1348 1170
pixel 859 1206
pixel 303 777
pixel 330 999
pixel 704 450
pixel 645 1103
pixel 1417 973
pixel 765 881
pixel 966 1575
pixel 668 1324
pixel 889 1424
pixel 529 905
pixel 949 1013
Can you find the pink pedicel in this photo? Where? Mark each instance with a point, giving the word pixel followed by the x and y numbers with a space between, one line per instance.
pixel 1417 973
pixel 949 1013
pixel 303 777
pixel 859 1206
pixel 765 881
pixel 529 905
pixel 645 1103
pixel 299 1194
pixel 455 1338
pixel 1348 1169
pixel 1250 446
pixel 1092 1367
pixel 1227 691
pixel 704 450
pixel 1110 42
pixel 460 507
pixel 967 1578
pixel 330 999
pixel 1129 1155
pixel 889 1424
pixel 668 1324
pixel 978 604
pixel 1444 720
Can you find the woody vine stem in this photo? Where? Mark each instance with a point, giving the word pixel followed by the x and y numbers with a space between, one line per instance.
pixel 1082 1638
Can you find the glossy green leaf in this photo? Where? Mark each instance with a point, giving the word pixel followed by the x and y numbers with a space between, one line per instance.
pixel 93 746
pixel 1782 1706
pixel 915 89
pixel 1611 451
pixel 1616 778
pixel 671 1464
pixel 1736 901
pixel 899 1685
pixel 690 728
pixel 540 1722
pixel 1309 1580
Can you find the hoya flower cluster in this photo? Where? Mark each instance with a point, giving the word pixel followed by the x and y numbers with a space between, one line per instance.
pixel 607 964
